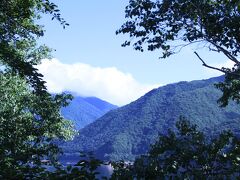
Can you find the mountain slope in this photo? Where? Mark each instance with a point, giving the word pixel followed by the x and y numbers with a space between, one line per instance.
pixel 84 110
pixel 128 131
pixel 103 106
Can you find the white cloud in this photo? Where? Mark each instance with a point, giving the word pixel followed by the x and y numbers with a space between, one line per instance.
pixel 109 84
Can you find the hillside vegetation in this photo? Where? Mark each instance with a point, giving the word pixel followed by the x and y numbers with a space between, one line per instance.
pixel 128 131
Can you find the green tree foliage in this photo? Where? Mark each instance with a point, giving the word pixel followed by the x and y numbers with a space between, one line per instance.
pixel 186 154
pixel 29 116
pixel 214 24
pixel 30 119
pixel 27 129
pixel 18 33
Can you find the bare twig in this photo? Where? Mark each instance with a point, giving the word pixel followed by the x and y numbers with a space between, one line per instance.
pixel 211 67
pixel 224 51
pixel 179 47
pixel 223 70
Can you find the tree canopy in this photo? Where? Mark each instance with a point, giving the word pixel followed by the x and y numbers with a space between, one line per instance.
pixel 29 116
pixel 157 23
pixel 186 154
pixel 171 25
pixel 19 31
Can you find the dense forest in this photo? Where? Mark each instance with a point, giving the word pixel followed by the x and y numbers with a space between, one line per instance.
pixel 129 131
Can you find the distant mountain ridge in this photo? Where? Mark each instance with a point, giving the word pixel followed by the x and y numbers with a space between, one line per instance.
pixel 129 131
pixel 84 110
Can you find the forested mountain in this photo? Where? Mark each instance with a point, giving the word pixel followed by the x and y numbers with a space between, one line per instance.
pixel 128 131
pixel 84 110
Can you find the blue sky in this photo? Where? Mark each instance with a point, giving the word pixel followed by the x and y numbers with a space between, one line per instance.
pixel 90 40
